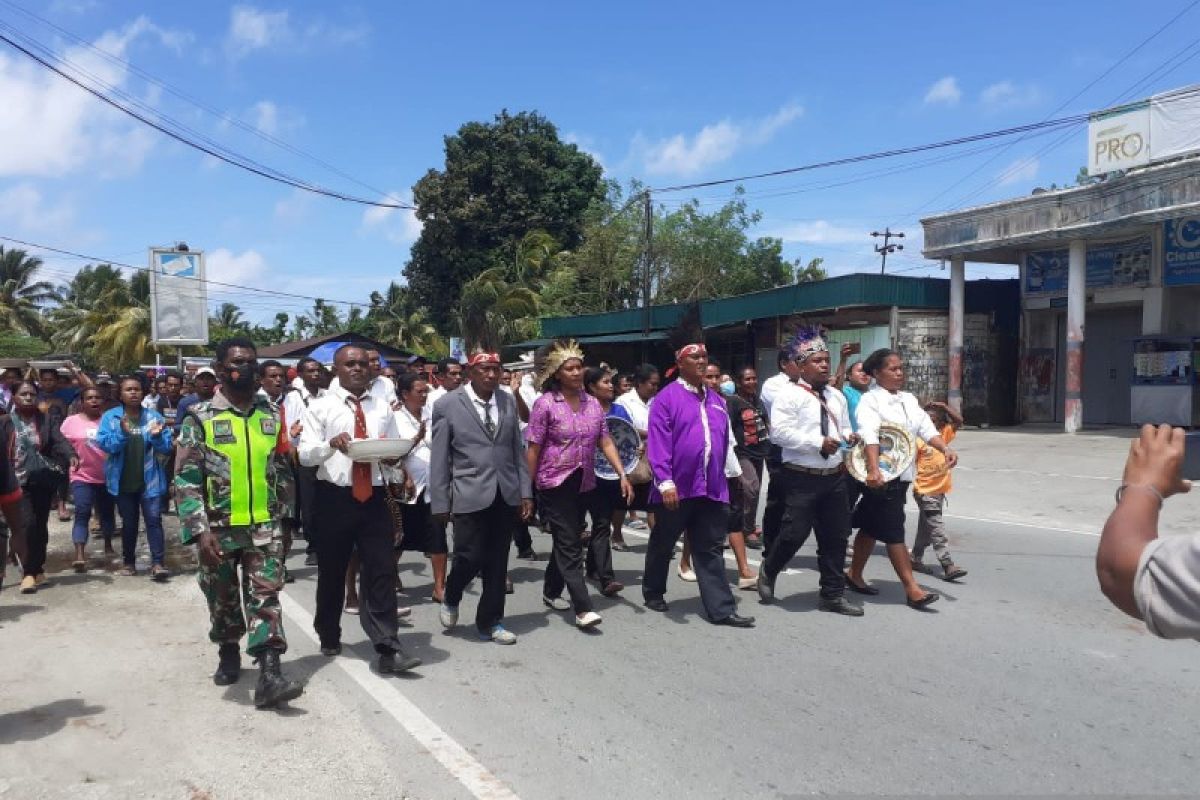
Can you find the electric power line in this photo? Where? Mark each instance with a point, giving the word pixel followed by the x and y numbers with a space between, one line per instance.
pixel 216 153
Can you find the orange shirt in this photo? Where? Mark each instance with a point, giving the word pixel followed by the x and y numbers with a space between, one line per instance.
pixel 933 476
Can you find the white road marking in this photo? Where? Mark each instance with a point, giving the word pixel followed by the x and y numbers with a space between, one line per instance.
pixel 385 691
pixel 1024 525
pixel 1010 470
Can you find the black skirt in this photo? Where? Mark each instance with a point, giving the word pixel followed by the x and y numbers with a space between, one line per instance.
pixel 880 512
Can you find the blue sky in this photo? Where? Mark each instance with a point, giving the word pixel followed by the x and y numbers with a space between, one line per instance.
pixel 668 93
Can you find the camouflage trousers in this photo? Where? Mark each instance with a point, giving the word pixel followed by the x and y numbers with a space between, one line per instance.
pixel 253 596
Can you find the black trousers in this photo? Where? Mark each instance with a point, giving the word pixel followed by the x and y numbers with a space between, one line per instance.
pixel 521 537
pixel 481 542
pixel 562 509
pixel 705 522
pixel 600 504
pixel 347 524
pixel 773 512
pixel 36 502
pixel 814 502
pixel 306 482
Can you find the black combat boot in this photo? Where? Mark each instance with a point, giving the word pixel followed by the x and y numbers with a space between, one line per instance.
pixel 229 667
pixel 273 688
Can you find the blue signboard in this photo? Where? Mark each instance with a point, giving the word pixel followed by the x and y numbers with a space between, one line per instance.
pixel 1181 251
pixel 1116 264
pixel 1046 272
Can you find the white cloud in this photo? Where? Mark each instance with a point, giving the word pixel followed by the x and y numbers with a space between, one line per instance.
pixel 944 91
pixel 252 29
pixel 247 268
pixel 24 206
pixel 821 232
pixel 72 6
pixel 684 155
pixel 266 117
pixel 398 225
pixel 1007 94
pixel 51 128
pixel 1023 169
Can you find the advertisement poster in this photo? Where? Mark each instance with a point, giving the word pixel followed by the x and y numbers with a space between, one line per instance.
pixel 1181 251
pixel 1046 272
pixel 1108 265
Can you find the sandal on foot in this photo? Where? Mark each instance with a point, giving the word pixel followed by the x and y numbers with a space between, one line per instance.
pixel 127 571
pixel 79 566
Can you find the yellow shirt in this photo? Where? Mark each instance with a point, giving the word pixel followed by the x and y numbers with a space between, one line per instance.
pixel 933 476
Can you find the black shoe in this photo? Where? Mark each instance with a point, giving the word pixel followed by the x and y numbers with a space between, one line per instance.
pixel 929 599
pixel 736 621
pixel 765 587
pixel 310 559
pixel 840 605
pixel 866 588
pixel 288 577
pixel 656 604
pixel 395 663
pixel 528 555
pixel 331 650
pixel 229 665
pixel 273 688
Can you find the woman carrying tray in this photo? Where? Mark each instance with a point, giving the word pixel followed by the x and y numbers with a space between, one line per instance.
pixel 880 513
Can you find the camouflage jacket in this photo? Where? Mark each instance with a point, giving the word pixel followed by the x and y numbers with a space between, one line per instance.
pixel 216 477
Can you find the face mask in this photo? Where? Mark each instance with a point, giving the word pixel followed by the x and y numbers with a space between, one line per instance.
pixel 240 379
pixel 727 387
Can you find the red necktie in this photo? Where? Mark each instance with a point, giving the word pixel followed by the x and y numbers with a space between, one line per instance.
pixel 361 472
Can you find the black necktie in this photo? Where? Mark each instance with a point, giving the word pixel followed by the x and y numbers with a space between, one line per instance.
pixel 824 415
pixel 488 424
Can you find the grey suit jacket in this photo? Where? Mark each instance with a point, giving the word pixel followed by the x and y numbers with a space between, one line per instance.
pixel 467 468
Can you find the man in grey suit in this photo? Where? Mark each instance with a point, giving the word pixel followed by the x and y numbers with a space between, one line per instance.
pixel 478 478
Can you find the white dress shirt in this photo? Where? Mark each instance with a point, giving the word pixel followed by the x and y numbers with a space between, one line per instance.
pixel 333 414
pixel 483 407
pixel 796 424
pixel 639 411
pixel 878 405
pixel 416 463
pixel 771 387
pixel 1166 585
pixel 381 387
pixel 294 403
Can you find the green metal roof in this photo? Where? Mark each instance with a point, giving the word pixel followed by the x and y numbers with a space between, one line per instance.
pixel 860 289
pixel 608 338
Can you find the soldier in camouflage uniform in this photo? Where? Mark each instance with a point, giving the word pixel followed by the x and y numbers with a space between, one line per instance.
pixel 233 484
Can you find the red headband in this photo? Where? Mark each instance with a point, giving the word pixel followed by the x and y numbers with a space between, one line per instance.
pixel 691 350
pixel 483 358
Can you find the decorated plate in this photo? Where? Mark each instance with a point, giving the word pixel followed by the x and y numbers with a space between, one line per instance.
pixel 626 438
pixel 897 449
pixel 378 449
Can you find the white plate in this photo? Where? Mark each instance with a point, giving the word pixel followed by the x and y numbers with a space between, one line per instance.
pixel 378 449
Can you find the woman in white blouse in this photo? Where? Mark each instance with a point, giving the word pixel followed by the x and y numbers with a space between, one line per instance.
pixel 421 533
pixel 880 513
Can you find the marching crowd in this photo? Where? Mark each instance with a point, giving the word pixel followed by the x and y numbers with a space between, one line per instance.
pixel 257 456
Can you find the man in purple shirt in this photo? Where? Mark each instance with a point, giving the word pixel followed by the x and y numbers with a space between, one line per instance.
pixel 686 445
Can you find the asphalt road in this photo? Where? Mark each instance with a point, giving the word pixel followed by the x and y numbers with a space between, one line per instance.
pixel 1022 680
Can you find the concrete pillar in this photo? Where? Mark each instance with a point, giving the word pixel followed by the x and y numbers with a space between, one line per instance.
pixel 1076 309
pixel 958 275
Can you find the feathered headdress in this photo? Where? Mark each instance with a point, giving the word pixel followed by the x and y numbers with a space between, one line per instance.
pixel 807 339
pixel 687 334
pixel 549 358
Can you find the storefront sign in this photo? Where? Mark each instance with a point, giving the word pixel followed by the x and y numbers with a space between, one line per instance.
pixel 1108 265
pixel 1119 139
pixel 1181 251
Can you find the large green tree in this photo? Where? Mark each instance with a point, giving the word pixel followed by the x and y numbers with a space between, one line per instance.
pixel 22 296
pixel 501 180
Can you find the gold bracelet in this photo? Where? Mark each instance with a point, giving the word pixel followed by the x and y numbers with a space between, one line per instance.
pixel 1149 487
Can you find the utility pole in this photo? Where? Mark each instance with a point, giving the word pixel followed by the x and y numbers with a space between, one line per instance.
pixel 886 248
pixel 648 257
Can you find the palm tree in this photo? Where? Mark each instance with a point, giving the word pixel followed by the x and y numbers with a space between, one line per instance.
pixel 396 320
pixel 229 317
pixel 493 311
pixel 22 299
pixel 92 290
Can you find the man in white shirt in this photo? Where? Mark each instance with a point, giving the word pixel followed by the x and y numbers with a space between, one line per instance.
pixel 449 374
pixel 379 386
pixel 810 424
pixel 351 511
pixel 306 388
pixel 789 373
